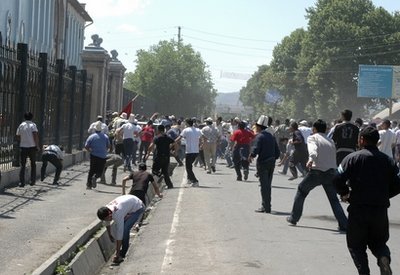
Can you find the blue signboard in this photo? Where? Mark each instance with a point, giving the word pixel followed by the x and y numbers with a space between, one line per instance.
pixel 375 81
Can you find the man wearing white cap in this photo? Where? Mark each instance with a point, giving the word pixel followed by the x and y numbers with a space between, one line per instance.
pixel 104 127
pixel 267 150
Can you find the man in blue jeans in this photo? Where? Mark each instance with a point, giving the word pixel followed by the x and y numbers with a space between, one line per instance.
pixel 125 211
pixel 321 164
pixel 268 152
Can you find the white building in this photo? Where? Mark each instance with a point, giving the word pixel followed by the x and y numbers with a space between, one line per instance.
pixel 55 27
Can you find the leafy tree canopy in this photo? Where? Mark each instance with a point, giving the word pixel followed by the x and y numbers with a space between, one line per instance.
pixel 175 77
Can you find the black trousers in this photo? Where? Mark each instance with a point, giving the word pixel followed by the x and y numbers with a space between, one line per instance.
pixel 52 158
pixel 162 163
pixel 31 154
pixel 189 159
pixel 368 226
pixel 96 168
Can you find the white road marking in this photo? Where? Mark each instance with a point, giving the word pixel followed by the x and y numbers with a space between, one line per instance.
pixel 175 221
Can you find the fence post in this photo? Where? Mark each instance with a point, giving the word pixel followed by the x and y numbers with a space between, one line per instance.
pixel 60 91
pixel 43 95
pixel 84 80
pixel 22 56
pixel 72 111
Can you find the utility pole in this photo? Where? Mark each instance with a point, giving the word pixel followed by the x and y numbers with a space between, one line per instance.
pixel 179 34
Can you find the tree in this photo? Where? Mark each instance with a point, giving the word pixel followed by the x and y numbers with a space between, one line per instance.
pixel 175 77
pixel 316 70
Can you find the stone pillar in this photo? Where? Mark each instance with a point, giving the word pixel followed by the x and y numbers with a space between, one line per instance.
pixel 116 80
pixel 95 60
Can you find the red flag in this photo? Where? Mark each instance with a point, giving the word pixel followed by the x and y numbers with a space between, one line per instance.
pixel 127 109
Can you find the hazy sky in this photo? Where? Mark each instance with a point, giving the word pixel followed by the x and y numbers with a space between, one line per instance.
pixel 234 37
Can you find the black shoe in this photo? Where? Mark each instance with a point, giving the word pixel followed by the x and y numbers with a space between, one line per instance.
pixel 292 178
pixel 384 265
pixel 239 178
pixel 42 178
pixel 246 175
pixel 289 220
pixel 21 185
pixel 170 186
pixel 262 210
pixel 32 183
pixel 213 168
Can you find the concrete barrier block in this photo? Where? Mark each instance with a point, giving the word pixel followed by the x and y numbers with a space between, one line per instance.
pixel 88 261
pixel 107 247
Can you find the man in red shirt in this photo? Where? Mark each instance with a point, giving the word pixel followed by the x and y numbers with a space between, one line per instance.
pixel 241 150
pixel 146 137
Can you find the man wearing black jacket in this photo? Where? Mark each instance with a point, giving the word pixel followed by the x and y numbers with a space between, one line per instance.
pixel 370 175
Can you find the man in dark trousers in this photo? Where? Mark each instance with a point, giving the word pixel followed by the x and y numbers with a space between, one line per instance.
pixel 364 179
pixel 161 154
pixel 53 154
pixel 268 152
pixel 345 136
pixel 322 165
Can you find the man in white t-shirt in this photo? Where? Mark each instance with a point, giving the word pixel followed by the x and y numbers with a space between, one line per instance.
pixel 387 139
pixel 192 136
pixel 125 211
pixel 130 135
pixel 28 137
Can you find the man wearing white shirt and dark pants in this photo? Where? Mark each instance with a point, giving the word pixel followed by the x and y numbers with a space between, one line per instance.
pixel 322 165
pixel 28 137
pixel 192 136
pixel 125 211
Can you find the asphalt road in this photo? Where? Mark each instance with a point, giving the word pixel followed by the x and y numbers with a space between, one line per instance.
pixel 36 221
pixel 212 229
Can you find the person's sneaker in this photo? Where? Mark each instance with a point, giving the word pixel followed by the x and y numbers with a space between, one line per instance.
pixel 88 188
pixel 195 184
pixel 239 178
pixel 384 265
pixel 94 183
pixel 42 178
pixel 208 172
pixel 292 178
pixel 113 183
pixel 21 185
pixel 213 168
pixel 290 221
pixel 281 172
pixel 117 260
pixel 32 183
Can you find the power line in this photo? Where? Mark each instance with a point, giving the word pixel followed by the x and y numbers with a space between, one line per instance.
pixel 229 45
pixel 232 37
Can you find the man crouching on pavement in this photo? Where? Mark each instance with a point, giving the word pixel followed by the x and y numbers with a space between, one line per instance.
pixel 125 211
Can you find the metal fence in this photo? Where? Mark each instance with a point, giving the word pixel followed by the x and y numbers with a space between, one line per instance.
pixel 58 97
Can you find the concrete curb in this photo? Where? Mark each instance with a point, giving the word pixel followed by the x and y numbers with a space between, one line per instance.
pixel 68 250
pixel 95 249
pixel 10 178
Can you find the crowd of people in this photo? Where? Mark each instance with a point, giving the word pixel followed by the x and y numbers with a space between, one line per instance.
pixel 357 160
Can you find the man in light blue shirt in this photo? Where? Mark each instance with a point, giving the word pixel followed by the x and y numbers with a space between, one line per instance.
pixel 97 144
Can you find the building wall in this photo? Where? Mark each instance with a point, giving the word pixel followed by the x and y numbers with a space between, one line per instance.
pixel 55 27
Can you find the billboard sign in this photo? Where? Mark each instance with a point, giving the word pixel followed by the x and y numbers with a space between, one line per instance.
pixel 379 81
